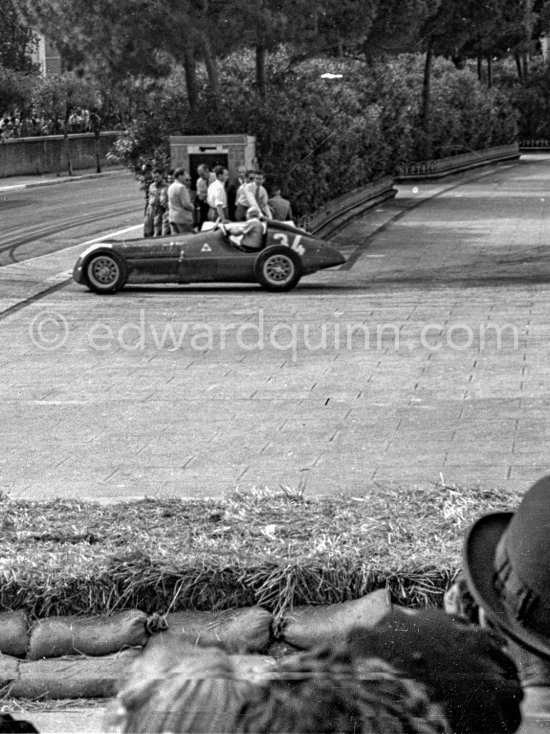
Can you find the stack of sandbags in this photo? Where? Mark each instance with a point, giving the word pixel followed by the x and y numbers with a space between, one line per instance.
pixel 83 657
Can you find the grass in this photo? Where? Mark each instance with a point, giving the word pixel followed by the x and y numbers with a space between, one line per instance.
pixel 272 548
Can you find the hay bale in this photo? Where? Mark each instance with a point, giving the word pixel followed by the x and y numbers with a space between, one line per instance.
pixel 9 669
pixel 72 677
pixel 305 627
pixel 241 630
pixel 14 634
pixel 57 636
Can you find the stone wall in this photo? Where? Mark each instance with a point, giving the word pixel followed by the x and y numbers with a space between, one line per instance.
pixel 46 154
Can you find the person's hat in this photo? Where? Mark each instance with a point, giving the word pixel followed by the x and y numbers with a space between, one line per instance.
pixel 506 561
pixel 253 211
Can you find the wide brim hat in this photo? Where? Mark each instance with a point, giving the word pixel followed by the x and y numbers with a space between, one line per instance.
pixel 479 553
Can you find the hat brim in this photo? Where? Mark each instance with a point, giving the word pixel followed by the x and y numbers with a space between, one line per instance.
pixel 478 566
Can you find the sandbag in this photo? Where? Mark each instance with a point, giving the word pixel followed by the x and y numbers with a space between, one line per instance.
pixel 72 677
pixel 278 649
pixel 306 626
pixel 100 635
pixel 9 670
pixel 14 633
pixel 239 630
pixel 253 667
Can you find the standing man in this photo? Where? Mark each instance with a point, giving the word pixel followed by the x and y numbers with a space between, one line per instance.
pixel 204 179
pixel 155 209
pixel 280 207
pixel 252 194
pixel 217 196
pixel 180 208
pixel 232 190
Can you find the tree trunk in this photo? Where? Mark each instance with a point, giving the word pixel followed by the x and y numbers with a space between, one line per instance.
pixel 479 67
pixel 66 146
pixel 95 121
pixel 489 70
pixel 211 64
pixel 426 103
pixel 260 70
pixel 190 66
pixel 525 67
pixel 518 68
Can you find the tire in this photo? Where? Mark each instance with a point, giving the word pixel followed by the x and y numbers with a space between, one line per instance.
pixel 105 272
pixel 278 268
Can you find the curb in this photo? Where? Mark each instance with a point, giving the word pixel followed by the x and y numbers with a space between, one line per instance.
pixel 54 181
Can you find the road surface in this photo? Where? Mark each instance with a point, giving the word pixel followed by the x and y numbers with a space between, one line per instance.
pixel 423 360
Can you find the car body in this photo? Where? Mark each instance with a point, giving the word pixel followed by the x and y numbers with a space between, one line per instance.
pixel 209 256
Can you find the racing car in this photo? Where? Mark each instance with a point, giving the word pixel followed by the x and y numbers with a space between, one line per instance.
pixel 287 254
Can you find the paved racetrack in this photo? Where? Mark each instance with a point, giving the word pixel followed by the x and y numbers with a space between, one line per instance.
pixel 423 360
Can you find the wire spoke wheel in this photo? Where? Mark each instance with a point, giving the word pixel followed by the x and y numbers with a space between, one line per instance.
pixel 105 273
pixel 278 269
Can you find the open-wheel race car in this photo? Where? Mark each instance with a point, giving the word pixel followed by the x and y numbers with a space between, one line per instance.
pixel 209 256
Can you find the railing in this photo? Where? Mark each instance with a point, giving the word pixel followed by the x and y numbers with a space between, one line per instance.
pixel 330 217
pixel 535 144
pixel 460 162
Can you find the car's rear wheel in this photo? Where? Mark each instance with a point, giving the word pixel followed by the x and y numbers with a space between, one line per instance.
pixel 105 273
pixel 278 268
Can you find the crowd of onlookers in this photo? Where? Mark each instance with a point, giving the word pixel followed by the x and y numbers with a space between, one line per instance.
pixel 176 203
pixel 482 666
pixel 16 126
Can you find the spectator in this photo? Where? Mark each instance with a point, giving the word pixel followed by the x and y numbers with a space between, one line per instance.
pixel 217 196
pixel 280 208
pixel 463 667
pixel 506 562
pixel 233 189
pixel 155 207
pixel 182 690
pixel 180 208
pixel 145 179
pixel 164 203
pixel 242 202
pixel 205 178
pixel 252 194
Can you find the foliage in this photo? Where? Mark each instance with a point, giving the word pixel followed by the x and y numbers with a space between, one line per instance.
pixel 16 39
pixel 16 89
pixel 530 99
pixel 323 137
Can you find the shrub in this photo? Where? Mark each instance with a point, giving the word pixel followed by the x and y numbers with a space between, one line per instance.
pixel 321 138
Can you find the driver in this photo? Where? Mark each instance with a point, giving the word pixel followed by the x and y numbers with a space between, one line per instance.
pixel 248 235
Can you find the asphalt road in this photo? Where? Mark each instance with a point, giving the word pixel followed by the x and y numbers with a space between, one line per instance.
pixel 423 360
pixel 39 220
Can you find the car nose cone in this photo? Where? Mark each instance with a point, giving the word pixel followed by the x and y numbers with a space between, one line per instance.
pixel 331 257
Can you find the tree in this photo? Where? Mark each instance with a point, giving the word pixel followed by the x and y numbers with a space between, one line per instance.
pixel 15 91
pixel 17 39
pixel 57 98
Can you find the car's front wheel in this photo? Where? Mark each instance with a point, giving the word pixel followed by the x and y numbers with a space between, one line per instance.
pixel 278 268
pixel 105 273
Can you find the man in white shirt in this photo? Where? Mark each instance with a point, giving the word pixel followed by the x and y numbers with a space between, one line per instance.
pixel 252 194
pixel 180 208
pixel 217 196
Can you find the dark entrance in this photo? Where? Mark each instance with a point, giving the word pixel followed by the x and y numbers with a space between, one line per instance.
pixel 211 159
